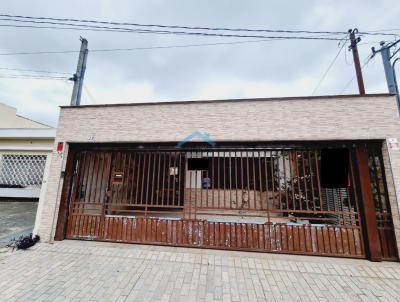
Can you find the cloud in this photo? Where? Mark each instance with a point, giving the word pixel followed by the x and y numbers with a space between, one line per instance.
pixel 129 93
pixel 36 99
pixel 237 88
pixel 264 69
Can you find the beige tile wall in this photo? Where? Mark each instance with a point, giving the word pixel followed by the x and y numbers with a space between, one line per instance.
pixel 341 118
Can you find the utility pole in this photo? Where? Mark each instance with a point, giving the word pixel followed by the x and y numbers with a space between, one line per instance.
pixel 389 67
pixel 356 58
pixel 80 74
pixel 385 52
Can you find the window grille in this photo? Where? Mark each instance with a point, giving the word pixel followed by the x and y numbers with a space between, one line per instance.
pixel 17 170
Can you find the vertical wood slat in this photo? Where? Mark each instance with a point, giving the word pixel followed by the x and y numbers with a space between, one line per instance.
pixel 284 237
pixel 332 239
pixel 278 237
pixel 302 238
pixel 320 240
pixel 325 234
pixel 274 238
pixel 248 236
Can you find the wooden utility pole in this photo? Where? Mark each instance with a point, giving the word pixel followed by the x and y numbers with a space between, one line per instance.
pixel 356 58
pixel 80 74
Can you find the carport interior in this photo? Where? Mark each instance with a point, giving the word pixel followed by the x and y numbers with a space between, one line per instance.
pixel 321 199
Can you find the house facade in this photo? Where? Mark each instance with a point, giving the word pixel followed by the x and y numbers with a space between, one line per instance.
pixel 25 147
pixel 300 175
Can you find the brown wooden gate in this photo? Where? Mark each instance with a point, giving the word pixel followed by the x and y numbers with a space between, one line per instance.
pixel 270 200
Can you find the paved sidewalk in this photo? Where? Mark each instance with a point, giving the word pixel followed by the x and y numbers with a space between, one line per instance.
pixel 94 271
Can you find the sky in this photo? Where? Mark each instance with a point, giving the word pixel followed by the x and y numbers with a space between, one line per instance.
pixel 261 69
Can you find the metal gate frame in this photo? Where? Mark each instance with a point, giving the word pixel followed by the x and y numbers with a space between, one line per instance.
pixel 127 219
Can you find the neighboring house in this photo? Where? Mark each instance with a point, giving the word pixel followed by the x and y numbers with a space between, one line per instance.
pixel 24 148
pixel 298 175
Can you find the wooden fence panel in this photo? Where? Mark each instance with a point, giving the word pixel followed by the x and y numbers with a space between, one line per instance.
pixel 308 239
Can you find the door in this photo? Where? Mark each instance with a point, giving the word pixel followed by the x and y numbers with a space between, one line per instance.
pixel 91 192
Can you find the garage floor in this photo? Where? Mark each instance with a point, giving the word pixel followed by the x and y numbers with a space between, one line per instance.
pixel 16 218
pixel 99 271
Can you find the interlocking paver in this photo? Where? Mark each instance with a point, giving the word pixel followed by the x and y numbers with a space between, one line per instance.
pixel 96 271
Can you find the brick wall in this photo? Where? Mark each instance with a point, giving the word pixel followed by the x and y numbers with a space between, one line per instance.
pixel 290 119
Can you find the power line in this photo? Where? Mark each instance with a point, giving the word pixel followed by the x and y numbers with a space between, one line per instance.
pixel 394 53
pixel 138 48
pixel 384 30
pixel 27 75
pixel 81 26
pixel 329 67
pixel 92 99
pixel 38 52
pixel 127 30
pixel 37 71
pixel 165 26
pixel 369 58
pixel 147 48
pixel 182 46
pixel 30 76
pixel 190 27
pixel 55 27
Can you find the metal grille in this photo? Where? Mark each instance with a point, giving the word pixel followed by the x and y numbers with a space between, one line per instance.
pixel 277 185
pixel 252 199
pixel 21 170
pixel 382 206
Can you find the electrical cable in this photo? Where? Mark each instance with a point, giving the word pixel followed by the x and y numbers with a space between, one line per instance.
pixel 394 53
pixel 191 27
pixel 117 29
pixel 394 44
pixel 76 24
pixel 32 70
pixel 28 76
pixel 329 67
pixel 80 26
pixel 55 27
pixel 92 99
pixel 181 46
pixel 166 26
pixel 138 48
pixel 368 59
